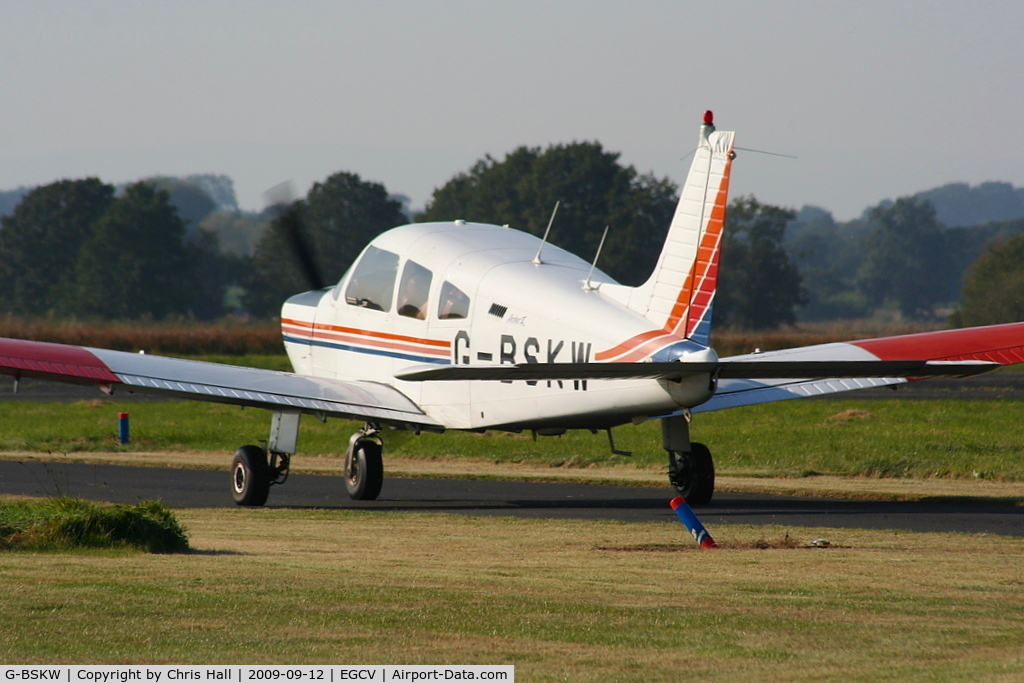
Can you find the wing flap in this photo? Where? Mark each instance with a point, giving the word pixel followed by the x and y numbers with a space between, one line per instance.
pixel 735 393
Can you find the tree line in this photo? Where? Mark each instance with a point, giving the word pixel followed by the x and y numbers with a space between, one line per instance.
pixel 180 247
pixel 901 257
pixel 73 248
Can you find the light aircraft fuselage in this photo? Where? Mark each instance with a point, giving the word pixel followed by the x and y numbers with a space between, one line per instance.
pixel 484 301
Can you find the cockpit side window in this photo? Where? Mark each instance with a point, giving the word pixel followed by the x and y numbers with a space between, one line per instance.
pixel 373 282
pixel 453 303
pixel 414 290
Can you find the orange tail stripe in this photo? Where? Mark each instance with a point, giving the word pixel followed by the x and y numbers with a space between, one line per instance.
pixel 704 271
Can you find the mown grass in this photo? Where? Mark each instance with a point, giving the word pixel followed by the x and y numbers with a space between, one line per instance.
pixel 561 600
pixel 867 438
pixel 63 523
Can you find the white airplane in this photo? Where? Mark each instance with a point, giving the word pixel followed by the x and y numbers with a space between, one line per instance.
pixel 469 326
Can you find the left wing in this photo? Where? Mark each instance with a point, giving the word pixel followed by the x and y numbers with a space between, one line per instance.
pixel 115 371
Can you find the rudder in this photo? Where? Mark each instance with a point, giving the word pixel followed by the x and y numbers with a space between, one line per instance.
pixel 679 295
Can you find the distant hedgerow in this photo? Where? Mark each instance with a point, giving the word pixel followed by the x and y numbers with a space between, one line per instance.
pixel 183 338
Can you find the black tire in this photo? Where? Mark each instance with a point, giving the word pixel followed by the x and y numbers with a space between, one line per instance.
pixel 366 477
pixel 693 474
pixel 250 476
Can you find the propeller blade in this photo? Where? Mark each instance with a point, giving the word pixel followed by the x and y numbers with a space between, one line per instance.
pixel 289 219
pixel 293 227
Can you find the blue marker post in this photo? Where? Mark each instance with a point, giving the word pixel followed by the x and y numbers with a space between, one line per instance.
pixel 122 423
pixel 686 516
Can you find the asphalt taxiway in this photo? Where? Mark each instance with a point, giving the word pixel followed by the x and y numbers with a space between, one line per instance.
pixel 204 488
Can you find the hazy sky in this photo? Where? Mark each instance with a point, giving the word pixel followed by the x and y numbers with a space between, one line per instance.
pixel 876 99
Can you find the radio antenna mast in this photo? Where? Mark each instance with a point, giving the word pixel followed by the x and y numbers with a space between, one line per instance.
pixel 588 284
pixel 544 240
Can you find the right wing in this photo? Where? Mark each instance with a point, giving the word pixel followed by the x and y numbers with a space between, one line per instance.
pixel 115 371
pixel 1001 344
pixel 791 373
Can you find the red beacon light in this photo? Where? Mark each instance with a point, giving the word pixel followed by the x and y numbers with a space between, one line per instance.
pixel 709 118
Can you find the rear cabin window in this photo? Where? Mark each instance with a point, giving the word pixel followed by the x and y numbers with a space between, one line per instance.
pixel 414 291
pixel 453 303
pixel 373 282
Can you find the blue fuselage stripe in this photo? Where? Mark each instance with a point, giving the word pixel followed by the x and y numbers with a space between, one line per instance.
pixel 371 352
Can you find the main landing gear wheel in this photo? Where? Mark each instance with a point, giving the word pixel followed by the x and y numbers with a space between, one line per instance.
pixel 693 473
pixel 250 476
pixel 364 476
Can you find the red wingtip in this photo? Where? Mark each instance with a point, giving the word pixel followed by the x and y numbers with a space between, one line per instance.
pixel 709 118
pixel 676 502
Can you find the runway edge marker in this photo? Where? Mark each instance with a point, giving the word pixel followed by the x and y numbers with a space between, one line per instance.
pixel 686 516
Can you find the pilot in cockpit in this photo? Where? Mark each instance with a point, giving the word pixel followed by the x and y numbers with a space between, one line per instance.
pixel 412 301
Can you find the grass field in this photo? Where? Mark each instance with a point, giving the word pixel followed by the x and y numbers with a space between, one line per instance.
pixel 561 600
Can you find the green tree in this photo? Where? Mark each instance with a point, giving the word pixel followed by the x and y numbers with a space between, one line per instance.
pixel 960 205
pixel 192 203
pixel 828 255
pixel 758 286
pixel 136 263
pixel 594 191
pixel 905 259
pixel 993 290
pixel 219 276
pixel 338 219
pixel 40 241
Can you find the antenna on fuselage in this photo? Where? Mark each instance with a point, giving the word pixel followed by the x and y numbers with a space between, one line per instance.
pixel 544 240
pixel 588 284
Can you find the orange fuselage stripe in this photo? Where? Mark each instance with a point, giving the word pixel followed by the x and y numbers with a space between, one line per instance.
pixel 325 330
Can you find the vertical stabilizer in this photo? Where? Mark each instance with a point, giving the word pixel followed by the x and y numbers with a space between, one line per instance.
pixel 680 293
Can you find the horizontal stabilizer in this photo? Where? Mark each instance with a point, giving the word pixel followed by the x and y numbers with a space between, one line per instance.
pixel 746 369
